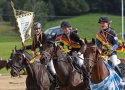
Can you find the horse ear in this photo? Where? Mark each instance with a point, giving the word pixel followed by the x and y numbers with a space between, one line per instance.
pixel 93 41
pixel 55 44
pixel 85 40
pixel 15 48
pixel 13 51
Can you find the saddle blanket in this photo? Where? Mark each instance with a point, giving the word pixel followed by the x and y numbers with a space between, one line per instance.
pixel 112 82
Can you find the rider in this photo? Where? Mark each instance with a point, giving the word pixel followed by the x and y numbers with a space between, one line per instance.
pixel 38 40
pixel 75 44
pixel 107 39
pixel 71 40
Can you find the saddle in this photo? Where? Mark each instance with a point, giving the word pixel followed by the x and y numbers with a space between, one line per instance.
pixel 72 60
pixel 76 77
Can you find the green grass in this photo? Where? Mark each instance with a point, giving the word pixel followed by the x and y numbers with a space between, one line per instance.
pixel 6 48
pixel 87 24
pixel 87 27
pixel 7 33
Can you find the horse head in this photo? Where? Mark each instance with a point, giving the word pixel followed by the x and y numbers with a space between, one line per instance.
pixel 49 50
pixel 62 64
pixel 91 53
pixel 16 62
pixel 94 62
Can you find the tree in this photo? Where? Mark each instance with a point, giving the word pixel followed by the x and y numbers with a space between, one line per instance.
pixel 5 10
pixel 107 6
pixel 70 7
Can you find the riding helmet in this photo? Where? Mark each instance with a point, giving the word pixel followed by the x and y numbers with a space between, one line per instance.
pixel 104 19
pixel 65 24
pixel 36 25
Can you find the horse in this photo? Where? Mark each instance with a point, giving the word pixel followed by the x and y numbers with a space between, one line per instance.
pixel 102 75
pixel 37 75
pixel 68 77
pixel 3 63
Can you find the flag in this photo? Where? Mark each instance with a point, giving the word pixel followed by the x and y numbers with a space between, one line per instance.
pixel 25 21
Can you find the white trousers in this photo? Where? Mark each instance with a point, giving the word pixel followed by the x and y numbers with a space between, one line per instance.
pixel 50 64
pixel 114 59
pixel 80 60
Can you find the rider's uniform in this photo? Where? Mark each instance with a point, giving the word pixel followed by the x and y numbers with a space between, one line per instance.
pixel 38 41
pixel 73 42
pixel 108 37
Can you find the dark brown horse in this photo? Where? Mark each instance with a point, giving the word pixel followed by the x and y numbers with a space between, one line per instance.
pixel 3 64
pixel 100 71
pixel 67 75
pixel 37 76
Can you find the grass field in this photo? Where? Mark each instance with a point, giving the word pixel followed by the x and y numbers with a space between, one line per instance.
pixel 88 24
pixel 87 27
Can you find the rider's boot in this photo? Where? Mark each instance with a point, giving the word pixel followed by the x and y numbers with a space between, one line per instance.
pixel 53 73
pixel 117 69
pixel 86 77
pixel 55 82
pixel 115 63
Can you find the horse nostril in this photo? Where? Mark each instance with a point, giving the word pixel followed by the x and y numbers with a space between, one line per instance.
pixel 13 73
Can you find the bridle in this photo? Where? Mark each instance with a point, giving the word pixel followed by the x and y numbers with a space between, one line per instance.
pixel 46 56
pixel 48 53
pixel 93 60
pixel 17 67
pixel 52 54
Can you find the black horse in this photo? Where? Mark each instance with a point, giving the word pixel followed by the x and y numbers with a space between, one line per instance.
pixel 3 63
pixel 37 75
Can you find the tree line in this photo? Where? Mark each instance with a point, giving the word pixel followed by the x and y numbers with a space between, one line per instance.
pixel 48 10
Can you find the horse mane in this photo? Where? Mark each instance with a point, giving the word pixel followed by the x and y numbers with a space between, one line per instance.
pixel 28 55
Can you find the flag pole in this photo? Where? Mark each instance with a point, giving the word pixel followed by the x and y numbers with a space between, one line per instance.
pixel 14 11
pixel 122 3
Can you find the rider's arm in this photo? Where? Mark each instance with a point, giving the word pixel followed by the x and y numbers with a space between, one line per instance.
pixel 34 46
pixel 76 38
pixel 114 40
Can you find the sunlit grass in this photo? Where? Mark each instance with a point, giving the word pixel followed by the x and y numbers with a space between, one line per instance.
pixel 87 27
